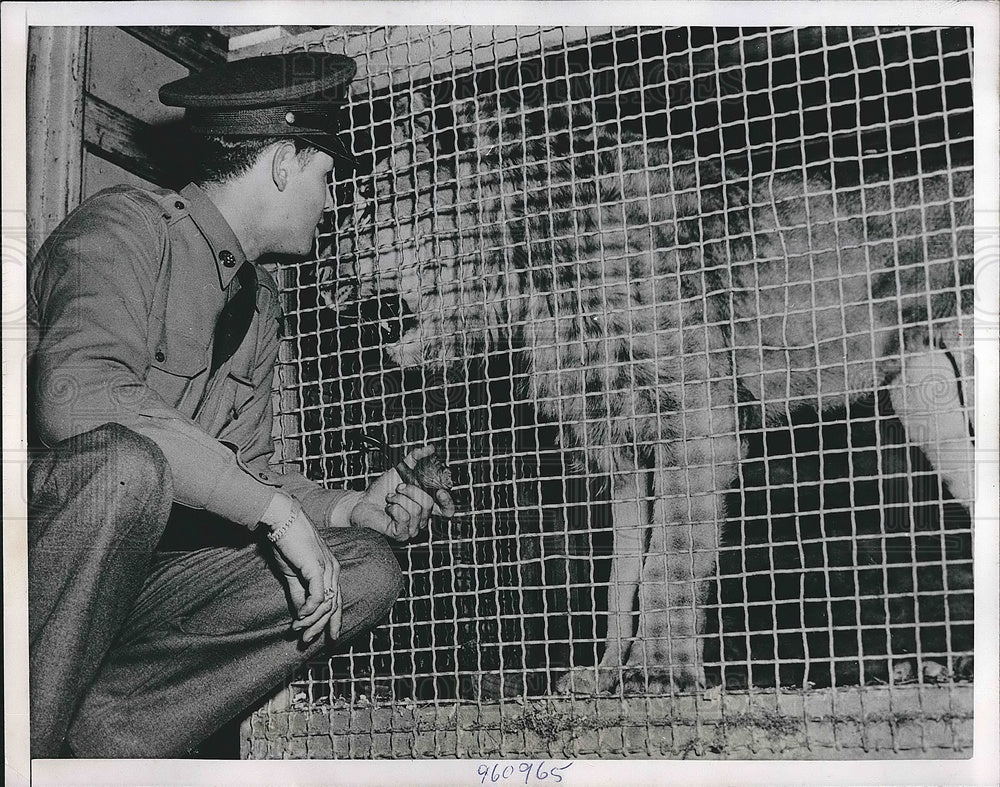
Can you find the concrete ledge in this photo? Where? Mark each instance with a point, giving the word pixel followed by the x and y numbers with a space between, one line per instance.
pixel 904 722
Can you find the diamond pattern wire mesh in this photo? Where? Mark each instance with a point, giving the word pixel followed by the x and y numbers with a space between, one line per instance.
pixel 516 181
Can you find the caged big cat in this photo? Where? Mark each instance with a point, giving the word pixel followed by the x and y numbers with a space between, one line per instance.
pixel 664 309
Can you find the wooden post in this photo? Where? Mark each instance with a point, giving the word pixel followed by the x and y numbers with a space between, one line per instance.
pixel 56 75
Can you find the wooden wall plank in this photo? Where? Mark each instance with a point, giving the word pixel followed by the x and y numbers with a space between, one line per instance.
pixel 99 173
pixel 122 139
pixel 125 72
pixel 56 58
pixel 194 47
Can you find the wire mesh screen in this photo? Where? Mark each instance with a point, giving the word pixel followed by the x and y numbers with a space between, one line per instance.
pixel 687 312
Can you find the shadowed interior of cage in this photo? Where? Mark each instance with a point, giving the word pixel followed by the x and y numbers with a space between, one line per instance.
pixel 842 559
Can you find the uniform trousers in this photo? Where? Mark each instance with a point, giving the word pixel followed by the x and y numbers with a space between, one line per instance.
pixel 140 648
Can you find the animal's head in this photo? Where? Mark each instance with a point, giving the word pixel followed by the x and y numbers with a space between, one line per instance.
pixel 475 213
pixel 421 226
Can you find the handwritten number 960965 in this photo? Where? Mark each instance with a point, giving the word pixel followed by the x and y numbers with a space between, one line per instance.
pixel 526 772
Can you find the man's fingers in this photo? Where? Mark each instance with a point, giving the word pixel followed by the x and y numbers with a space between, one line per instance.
pixel 320 614
pixel 336 619
pixel 409 508
pixel 314 593
pixel 404 522
pixel 400 511
pixel 334 624
pixel 443 504
pixel 412 498
pixel 317 628
pixel 305 621
pixel 312 626
pixel 417 454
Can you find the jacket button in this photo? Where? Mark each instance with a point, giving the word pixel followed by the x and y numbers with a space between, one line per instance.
pixel 160 357
pixel 179 205
pixel 227 258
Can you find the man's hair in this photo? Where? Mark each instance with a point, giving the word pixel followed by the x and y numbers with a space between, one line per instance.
pixel 219 159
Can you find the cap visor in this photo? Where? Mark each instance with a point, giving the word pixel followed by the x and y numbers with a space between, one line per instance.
pixel 334 145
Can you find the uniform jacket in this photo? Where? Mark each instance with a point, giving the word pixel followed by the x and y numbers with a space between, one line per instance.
pixel 122 303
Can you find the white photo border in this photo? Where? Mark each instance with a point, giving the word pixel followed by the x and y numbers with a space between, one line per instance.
pixel 983 768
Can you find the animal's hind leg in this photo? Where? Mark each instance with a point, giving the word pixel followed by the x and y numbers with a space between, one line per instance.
pixel 630 512
pixel 688 509
pixel 932 398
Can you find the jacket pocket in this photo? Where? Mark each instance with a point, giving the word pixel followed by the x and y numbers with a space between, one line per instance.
pixel 243 390
pixel 179 363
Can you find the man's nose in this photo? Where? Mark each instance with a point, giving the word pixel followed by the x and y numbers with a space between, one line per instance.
pixel 330 201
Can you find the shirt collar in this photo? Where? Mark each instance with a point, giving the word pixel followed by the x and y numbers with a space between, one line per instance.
pixel 225 246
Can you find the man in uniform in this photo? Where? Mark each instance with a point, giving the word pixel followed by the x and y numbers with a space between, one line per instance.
pixel 166 557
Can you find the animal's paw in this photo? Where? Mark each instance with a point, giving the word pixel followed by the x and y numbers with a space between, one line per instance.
pixel 654 673
pixel 964 667
pixel 930 672
pixel 587 682
pixel 494 686
pixel 904 672
pixel 658 680
pixel 934 672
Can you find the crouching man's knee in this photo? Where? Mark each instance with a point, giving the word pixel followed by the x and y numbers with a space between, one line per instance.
pixel 136 464
pixel 136 454
pixel 116 470
pixel 131 459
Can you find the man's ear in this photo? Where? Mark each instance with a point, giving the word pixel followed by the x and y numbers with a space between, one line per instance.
pixel 282 161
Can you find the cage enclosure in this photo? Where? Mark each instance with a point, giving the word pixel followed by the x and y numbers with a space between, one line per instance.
pixel 687 312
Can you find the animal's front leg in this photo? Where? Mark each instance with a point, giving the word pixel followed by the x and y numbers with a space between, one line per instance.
pixel 630 512
pixel 688 510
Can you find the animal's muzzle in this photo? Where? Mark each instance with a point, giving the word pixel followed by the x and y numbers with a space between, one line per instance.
pixel 382 318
